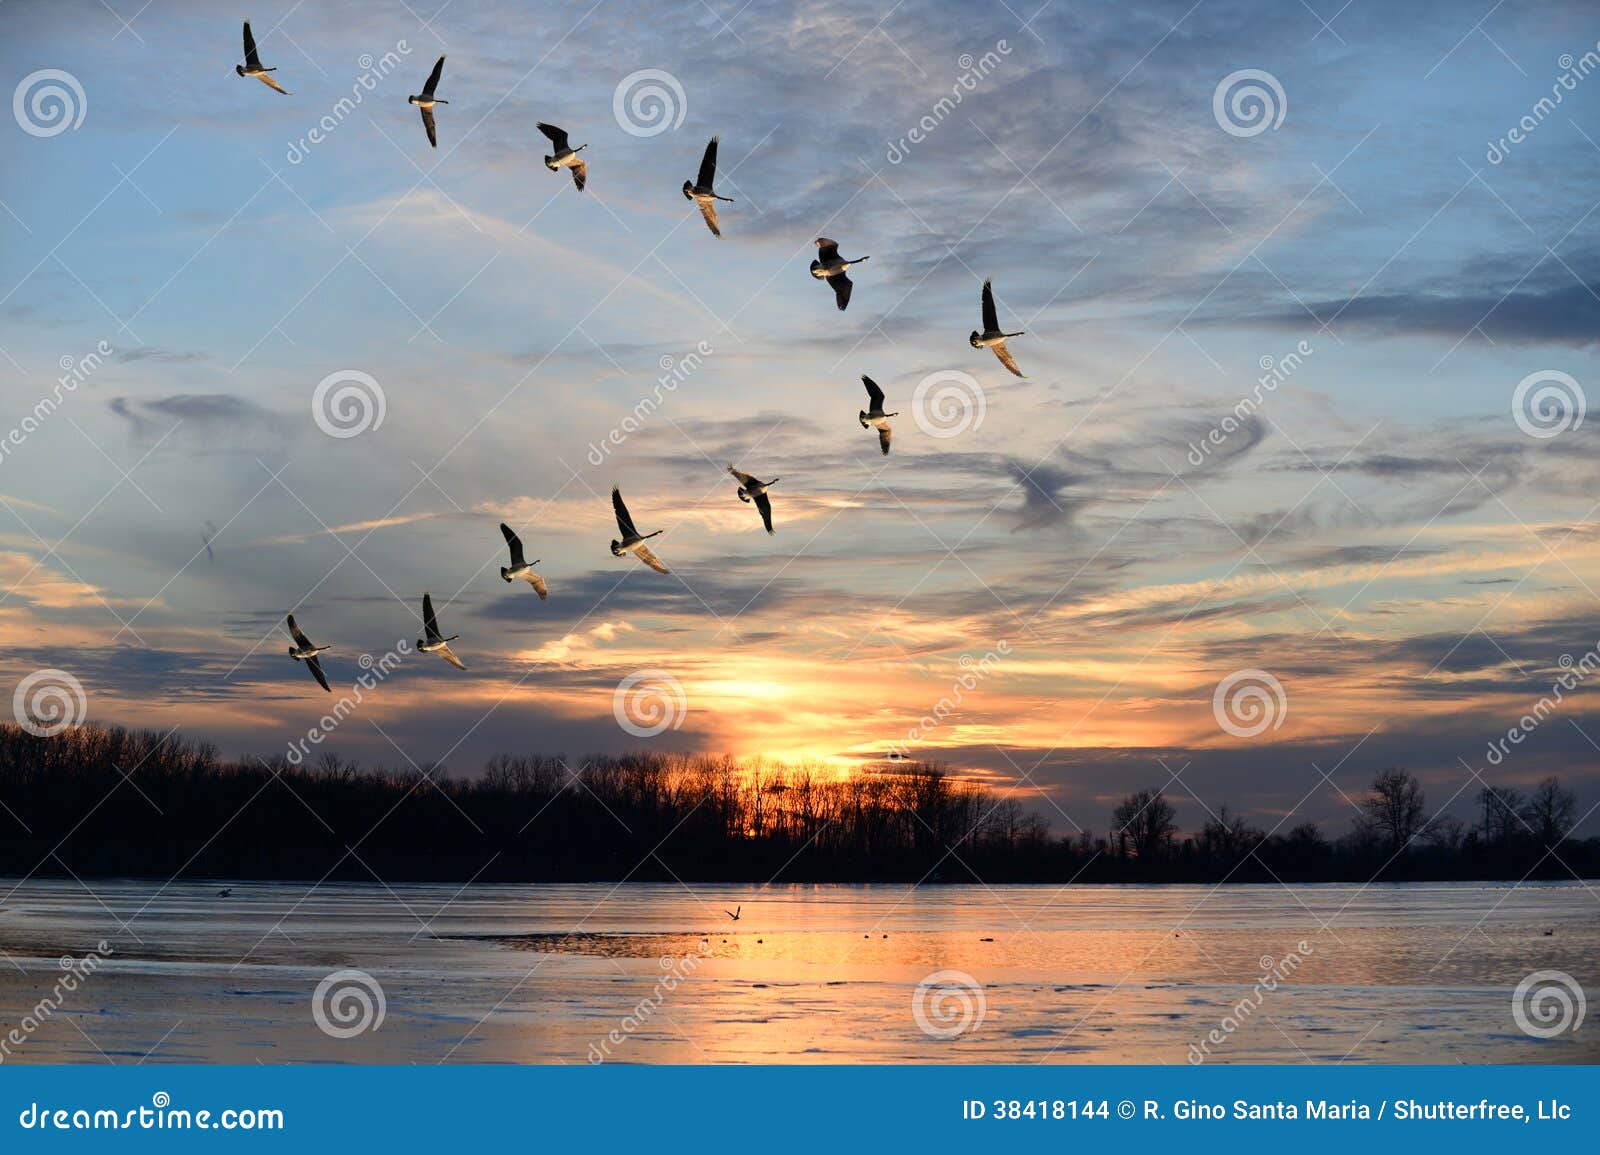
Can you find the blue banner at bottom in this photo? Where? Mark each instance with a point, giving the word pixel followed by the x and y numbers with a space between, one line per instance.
pixel 782 1109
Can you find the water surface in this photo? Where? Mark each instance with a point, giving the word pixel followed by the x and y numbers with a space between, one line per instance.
pixel 659 973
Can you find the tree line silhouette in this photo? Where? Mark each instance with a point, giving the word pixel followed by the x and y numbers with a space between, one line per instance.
pixel 104 801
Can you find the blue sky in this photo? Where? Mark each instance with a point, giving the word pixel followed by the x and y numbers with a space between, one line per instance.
pixel 1379 534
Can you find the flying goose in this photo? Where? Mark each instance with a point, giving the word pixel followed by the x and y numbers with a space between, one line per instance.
pixel 520 568
pixel 434 643
pixel 631 541
pixel 427 100
pixel 752 490
pixel 992 337
pixel 304 651
pixel 252 63
pixel 829 265
pixel 876 416
pixel 702 192
pixel 566 156
pixel 734 913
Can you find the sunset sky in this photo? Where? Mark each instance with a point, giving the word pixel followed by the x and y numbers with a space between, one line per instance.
pixel 1379 534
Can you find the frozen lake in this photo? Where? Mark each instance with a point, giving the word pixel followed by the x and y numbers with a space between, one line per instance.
pixel 659 973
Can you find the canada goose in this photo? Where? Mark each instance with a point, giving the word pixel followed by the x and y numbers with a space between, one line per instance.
pixel 225 892
pixel 565 155
pixel 434 643
pixel 752 490
pixel 876 416
pixel 702 192
pixel 427 100
pixel 734 913
pixel 830 266
pixel 304 651
pixel 520 568
pixel 632 541
pixel 252 63
pixel 992 337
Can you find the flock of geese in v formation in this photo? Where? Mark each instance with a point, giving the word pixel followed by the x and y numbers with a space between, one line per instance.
pixel 829 266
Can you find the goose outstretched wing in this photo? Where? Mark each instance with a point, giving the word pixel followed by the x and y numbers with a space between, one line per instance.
pixel 624 518
pixel 252 58
pixel 841 290
pixel 514 542
pixel 1006 359
pixel 430 623
pixel 433 79
pixel 874 394
pixel 651 559
pixel 708 167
